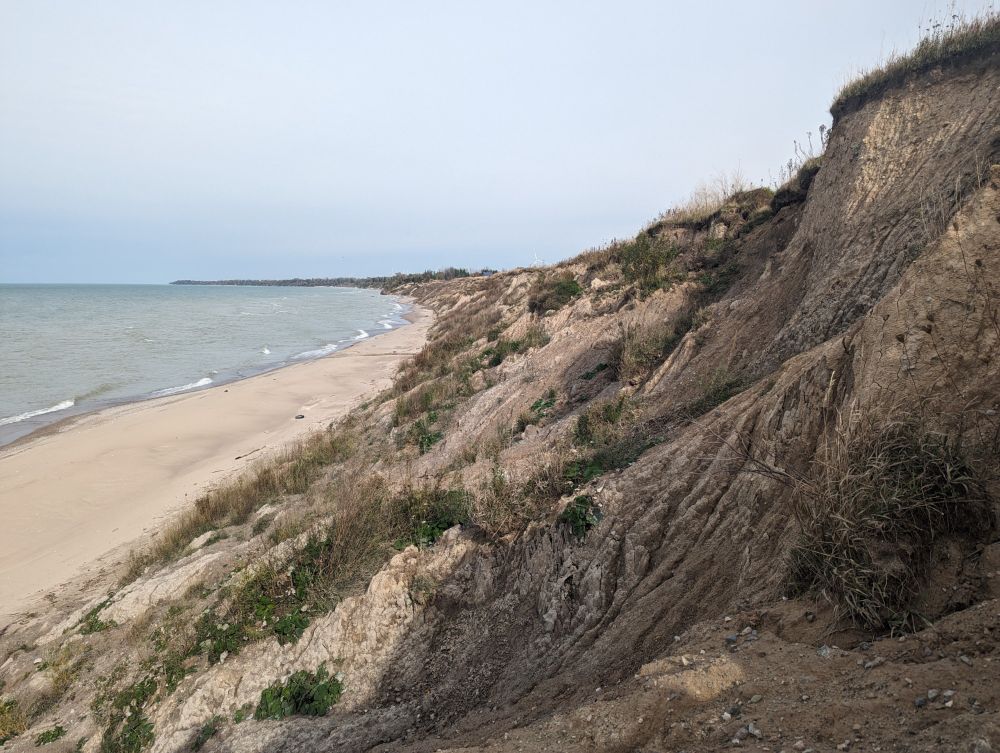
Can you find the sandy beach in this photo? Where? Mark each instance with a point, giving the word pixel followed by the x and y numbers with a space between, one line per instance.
pixel 71 495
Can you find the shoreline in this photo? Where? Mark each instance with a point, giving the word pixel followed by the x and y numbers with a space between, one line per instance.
pixel 74 491
pixel 59 419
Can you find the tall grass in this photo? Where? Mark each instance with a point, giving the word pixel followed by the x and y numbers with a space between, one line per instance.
pixel 870 509
pixel 943 43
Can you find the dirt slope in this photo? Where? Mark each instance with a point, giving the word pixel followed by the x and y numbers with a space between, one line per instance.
pixel 641 434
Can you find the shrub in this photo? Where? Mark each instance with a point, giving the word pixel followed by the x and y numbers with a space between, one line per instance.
pixel 648 263
pixel 49 735
pixel 422 435
pixel 871 508
pixel 549 294
pixel 92 623
pixel 581 515
pixel 420 516
pixel 304 693
pixel 13 719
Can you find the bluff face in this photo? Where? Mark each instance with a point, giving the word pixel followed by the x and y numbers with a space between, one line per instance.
pixel 732 482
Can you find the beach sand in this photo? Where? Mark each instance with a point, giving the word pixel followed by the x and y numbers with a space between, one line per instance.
pixel 70 495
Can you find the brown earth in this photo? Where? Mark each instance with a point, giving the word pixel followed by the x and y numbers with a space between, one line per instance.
pixel 673 623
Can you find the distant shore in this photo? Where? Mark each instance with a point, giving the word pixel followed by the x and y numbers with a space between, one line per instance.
pixel 75 491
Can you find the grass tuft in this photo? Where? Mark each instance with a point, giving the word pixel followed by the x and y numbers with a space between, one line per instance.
pixel 870 510
pixel 943 44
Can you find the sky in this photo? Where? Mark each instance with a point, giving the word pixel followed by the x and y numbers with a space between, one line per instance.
pixel 148 141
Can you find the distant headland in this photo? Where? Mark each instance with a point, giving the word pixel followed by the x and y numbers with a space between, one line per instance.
pixel 385 282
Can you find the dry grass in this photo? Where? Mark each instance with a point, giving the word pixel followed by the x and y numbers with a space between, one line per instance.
pixel 291 472
pixel 943 44
pixel 870 510
pixel 706 200
pixel 13 719
pixel 646 344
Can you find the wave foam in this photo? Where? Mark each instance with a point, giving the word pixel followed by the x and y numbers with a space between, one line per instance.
pixel 361 335
pixel 203 382
pixel 32 413
pixel 324 351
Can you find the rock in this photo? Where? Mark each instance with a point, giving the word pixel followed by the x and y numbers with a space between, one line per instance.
pixel 757 698
pixel 300 416
pixel 981 745
pixel 810 617
pixel 823 651
pixel 965 660
pixel 732 639
pixel 878 660
pixel 746 631
pixel 846 745
pixel 919 702
pixel 754 730
pixel 799 745
pixel 932 694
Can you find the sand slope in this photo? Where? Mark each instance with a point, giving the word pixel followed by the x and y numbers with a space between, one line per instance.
pixel 70 496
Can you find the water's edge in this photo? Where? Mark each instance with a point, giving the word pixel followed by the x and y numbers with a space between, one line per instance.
pixel 60 418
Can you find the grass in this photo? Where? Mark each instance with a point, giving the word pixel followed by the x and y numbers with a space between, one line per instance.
pixel 550 293
pixel 422 435
pixel 49 735
pixel 943 44
pixel 13 719
pixel 870 510
pixel 648 263
pixel 497 353
pixel 232 504
pixel 645 345
pixel 280 599
pixel 302 694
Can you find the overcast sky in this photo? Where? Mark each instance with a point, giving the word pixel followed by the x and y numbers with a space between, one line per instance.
pixel 146 141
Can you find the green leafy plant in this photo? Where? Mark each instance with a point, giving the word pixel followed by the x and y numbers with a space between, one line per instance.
pixel 128 729
pixel 581 515
pixel 304 693
pixel 553 292
pixel 91 621
pixel 49 735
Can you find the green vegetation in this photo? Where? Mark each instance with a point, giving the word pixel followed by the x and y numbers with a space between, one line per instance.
pixel 648 263
pixel 243 713
pixel 590 374
pixel 422 435
pixel 422 515
pixel 644 346
pixel 386 283
pixel 233 503
pixel 49 735
pixel 537 413
pixel 207 732
pixel 92 623
pixel 304 693
pixel 944 44
pixel 870 510
pixel 581 515
pixel 13 720
pixel 128 729
pixel 552 292
pixel 497 353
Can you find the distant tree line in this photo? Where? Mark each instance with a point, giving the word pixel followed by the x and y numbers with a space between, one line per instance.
pixel 390 282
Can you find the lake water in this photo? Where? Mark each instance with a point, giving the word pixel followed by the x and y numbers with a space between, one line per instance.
pixel 67 349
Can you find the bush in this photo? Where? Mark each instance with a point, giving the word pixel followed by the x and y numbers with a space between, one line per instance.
pixel 13 719
pixel 645 346
pixel 304 693
pixel 870 510
pixel 421 515
pixel 648 263
pixel 581 515
pixel 549 294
